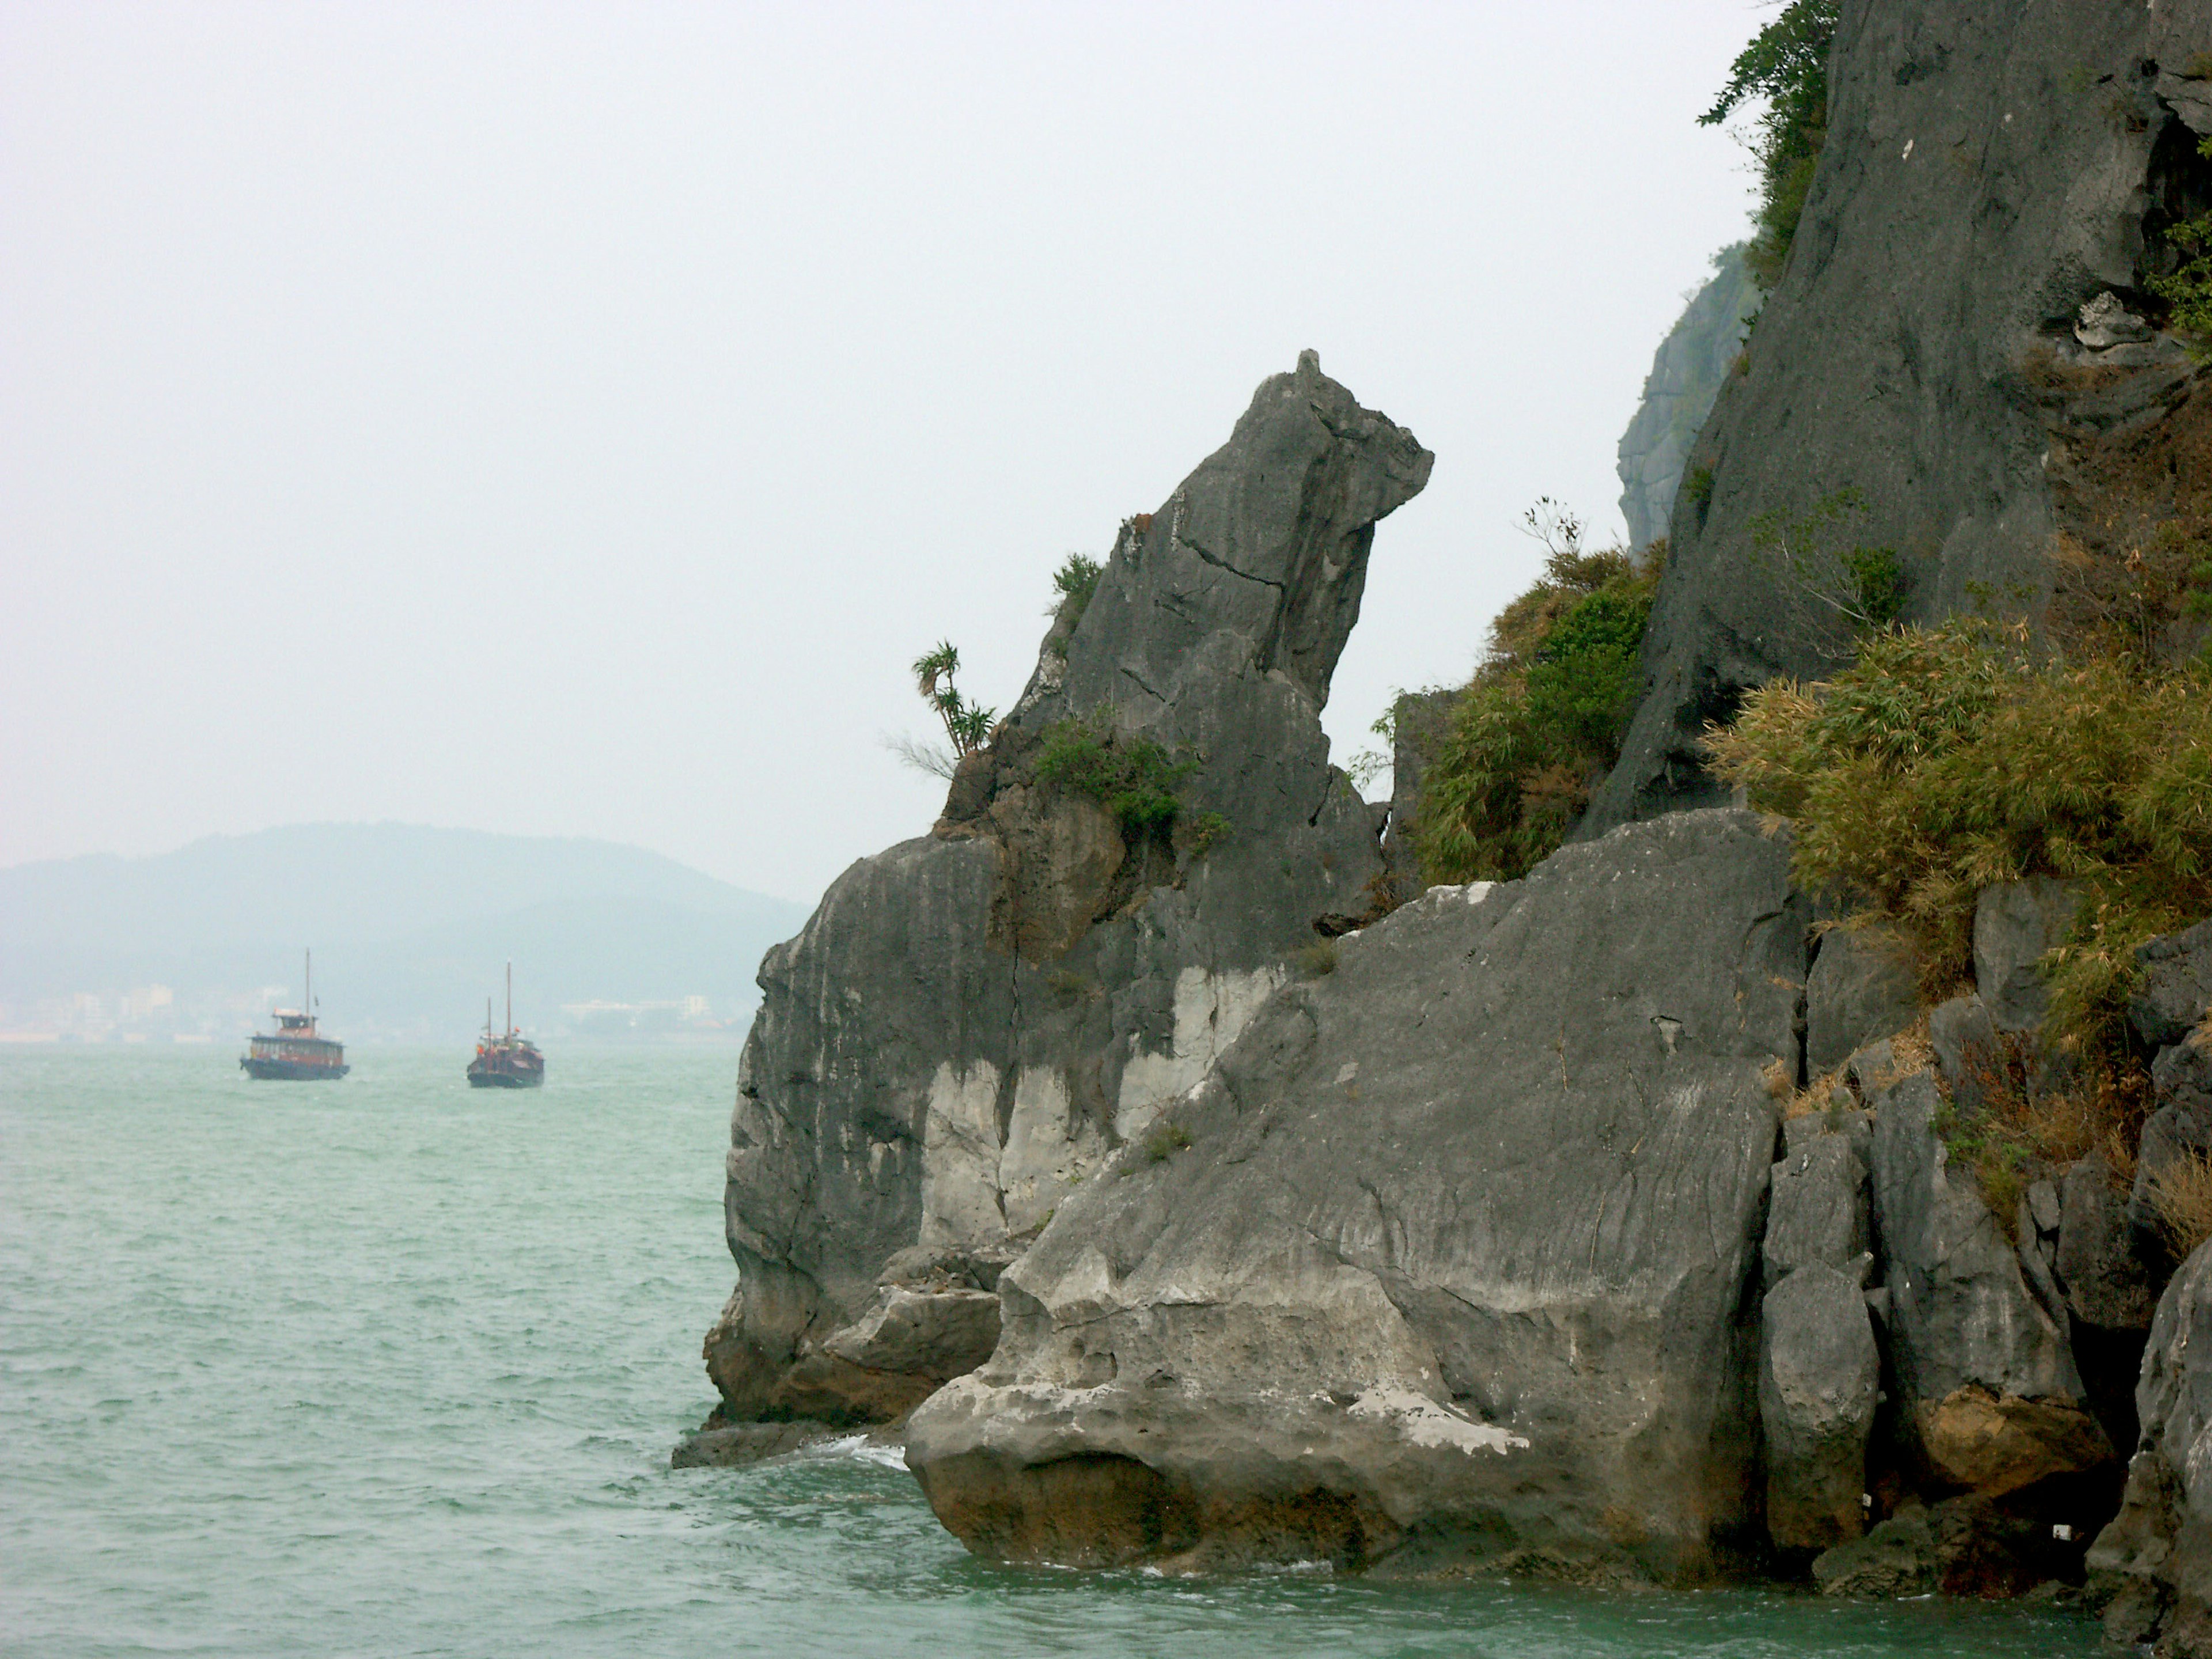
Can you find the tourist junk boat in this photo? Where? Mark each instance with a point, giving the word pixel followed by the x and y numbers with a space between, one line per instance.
pixel 296 1052
pixel 507 1062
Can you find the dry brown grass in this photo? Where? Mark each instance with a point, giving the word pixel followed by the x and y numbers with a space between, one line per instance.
pixel 2181 1193
pixel 1823 1094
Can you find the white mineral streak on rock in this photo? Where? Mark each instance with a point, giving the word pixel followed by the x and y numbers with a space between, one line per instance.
pixel 960 1157
pixel 1425 1423
pixel 1210 1010
pixel 1046 1152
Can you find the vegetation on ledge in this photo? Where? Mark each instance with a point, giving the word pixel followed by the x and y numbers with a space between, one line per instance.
pixel 1134 779
pixel 1951 759
pixel 1786 65
pixel 1543 717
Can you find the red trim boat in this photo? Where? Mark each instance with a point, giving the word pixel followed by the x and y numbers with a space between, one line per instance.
pixel 509 1061
pixel 296 1052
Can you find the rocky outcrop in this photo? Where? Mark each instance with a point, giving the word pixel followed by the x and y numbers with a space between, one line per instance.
pixel 2015 923
pixel 974 1021
pixel 1818 1379
pixel 1987 1383
pixel 1940 342
pixel 1452 1259
pixel 2151 1569
pixel 2171 1010
pixel 1419 723
pixel 1686 374
pixel 1861 990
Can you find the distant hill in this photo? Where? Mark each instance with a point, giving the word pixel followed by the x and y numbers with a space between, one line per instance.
pixel 410 926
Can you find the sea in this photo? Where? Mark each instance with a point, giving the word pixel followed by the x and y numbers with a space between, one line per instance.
pixel 389 1367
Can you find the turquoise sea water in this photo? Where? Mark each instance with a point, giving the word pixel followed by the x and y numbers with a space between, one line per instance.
pixel 385 1367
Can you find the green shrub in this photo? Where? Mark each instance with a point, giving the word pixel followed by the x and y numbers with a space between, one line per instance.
pixel 1787 65
pixel 2189 289
pixel 1698 485
pixel 1947 760
pixel 1164 1141
pixel 1543 716
pixel 1834 590
pixel 1315 959
pixel 1076 581
pixel 1207 830
pixel 1132 778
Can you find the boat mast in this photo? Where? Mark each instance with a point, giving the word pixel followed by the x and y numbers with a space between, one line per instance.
pixel 510 999
pixel 308 990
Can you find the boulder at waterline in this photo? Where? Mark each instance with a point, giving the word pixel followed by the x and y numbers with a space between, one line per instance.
pixel 2152 1566
pixel 1448 1261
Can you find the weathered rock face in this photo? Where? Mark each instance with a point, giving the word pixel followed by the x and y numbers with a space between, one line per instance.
pixel 1986 176
pixel 974 1020
pixel 2152 1567
pixel 1818 1376
pixel 2175 992
pixel 1686 374
pixel 2171 1012
pixel 2015 924
pixel 1987 1376
pixel 1452 1259
pixel 1817 1211
pixel 1861 990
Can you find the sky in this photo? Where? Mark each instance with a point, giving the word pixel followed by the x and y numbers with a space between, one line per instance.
pixel 572 419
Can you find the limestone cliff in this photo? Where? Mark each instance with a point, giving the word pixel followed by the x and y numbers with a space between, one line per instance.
pixel 1962 335
pixel 974 1021
pixel 1686 374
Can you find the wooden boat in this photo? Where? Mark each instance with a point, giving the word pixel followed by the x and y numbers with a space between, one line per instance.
pixel 296 1052
pixel 509 1061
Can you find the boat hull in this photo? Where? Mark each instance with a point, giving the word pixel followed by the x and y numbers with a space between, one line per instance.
pixel 507 1071
pixel 504 1080
pixel 292 1071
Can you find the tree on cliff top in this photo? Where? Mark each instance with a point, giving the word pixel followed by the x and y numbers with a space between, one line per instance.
pixel 1786 65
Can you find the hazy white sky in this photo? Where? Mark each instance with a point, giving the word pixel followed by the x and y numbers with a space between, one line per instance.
pixel 572 419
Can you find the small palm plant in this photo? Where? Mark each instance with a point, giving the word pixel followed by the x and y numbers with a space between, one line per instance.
pixel 967 725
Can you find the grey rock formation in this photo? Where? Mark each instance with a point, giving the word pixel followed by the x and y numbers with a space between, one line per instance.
pixel 1817 1212
pixel 2171 1009
pixel 2175 993
pixel 1422 718
pixel 1818 1376
pixel 2152 1564
pixel 1686 374
pixel 2125 1578
pixel 1985 174
pixel 1446 1263
pixel 973 1021
pixel 2106 1281
pixel 1970 1053
pixel 740 1445
pixel 2013 925
pixel 1896 1558
pixel 1988 1381
pixel 1860 989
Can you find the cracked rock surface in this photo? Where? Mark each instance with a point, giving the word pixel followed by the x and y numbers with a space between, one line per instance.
pixel 1453 1259
pixel 973 1021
